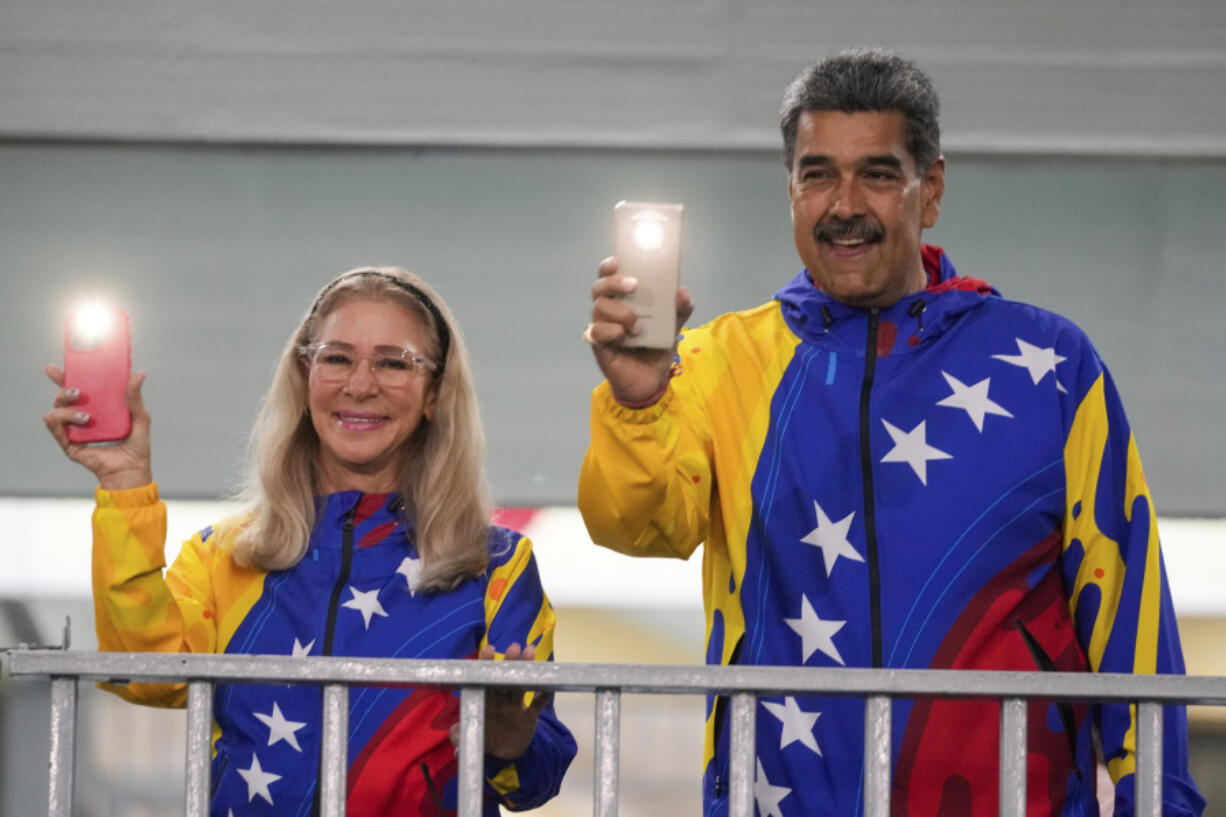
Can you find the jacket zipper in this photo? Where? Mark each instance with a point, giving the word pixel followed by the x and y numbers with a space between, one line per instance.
pixel 341 581
pixel 330 625
pixel 866 474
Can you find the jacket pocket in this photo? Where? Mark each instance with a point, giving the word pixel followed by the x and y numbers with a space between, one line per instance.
pixel 719 758
pixel 1044 662
pixel 218 772
pixel 435 797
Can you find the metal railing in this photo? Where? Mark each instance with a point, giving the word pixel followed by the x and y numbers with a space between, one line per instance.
pixel 608 682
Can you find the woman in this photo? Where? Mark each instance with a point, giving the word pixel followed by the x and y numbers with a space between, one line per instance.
pixel 369 536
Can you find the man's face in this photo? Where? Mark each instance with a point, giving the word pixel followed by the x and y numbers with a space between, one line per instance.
pixel 859 205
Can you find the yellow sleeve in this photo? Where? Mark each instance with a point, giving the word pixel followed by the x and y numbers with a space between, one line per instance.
pixel 136 609
pixel 517 611
pixel 646 482
pixel 661 480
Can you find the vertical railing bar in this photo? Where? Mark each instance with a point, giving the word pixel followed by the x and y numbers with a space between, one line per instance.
pixel 334 763
pixel 1149 759
pixel 63 745
pixel 878 714
pixel 199 738
pixel 1013 757
pixel 472 751
pixel 608 750
pixel 744 755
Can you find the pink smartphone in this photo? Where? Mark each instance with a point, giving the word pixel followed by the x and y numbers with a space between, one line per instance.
pixel 98 363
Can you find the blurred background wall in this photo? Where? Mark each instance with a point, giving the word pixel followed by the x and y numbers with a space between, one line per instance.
pixel 209 165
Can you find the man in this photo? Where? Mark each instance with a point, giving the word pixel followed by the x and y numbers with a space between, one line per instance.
pixel 890 466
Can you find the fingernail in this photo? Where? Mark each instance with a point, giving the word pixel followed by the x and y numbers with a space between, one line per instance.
pixel 637 328
pixel 630 282
pixel 81 417
pixel 73 393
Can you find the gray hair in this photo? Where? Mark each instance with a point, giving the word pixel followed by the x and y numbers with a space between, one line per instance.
pixel 866 81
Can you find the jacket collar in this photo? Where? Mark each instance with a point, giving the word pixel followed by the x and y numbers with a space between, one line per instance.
pixel 910 324
pixel 380 513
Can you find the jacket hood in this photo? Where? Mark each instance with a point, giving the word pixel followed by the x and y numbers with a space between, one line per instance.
pixel 911 323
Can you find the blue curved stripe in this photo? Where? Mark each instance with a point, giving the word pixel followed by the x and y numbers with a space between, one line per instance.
pixel 949 553
pixel 932 609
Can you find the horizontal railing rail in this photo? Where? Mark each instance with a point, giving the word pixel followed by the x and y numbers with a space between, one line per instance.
pixel 608 682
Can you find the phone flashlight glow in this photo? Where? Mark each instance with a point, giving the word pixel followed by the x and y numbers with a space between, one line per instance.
pixel 91 324
pixel 648 230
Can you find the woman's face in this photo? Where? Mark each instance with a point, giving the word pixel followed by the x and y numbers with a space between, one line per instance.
pixel 363 403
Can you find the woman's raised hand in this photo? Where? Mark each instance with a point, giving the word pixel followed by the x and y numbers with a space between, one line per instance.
pixel 509 725
pixel 119 465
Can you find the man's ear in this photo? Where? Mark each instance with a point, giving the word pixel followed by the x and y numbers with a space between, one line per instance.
pixel 933 188
pixel 791 197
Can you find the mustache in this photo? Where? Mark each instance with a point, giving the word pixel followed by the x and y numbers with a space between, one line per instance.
pixel 839 229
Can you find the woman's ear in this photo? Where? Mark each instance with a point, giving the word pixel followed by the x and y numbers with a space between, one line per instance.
pixel 427 409
pixel 304 370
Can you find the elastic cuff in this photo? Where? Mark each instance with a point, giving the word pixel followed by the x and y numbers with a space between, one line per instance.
pixel 605 404
pixel 502 776
pixel 127 498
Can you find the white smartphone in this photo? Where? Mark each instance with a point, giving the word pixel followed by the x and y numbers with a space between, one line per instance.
pixel 648 247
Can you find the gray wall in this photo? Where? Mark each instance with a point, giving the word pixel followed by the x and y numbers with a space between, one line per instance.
pixel 1040 75
pixel 216 251
pixel 210 165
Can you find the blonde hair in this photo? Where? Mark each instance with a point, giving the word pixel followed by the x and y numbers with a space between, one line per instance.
pixel 441 482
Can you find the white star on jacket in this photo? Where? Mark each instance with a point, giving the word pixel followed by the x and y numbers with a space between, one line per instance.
pixel 972 399
pixel 814 633
pixel 1035 360
pixel 831 537
pixel 797 724
pixel 767 796
pixel 912 448
pixel 258 780
pixel 367 602
pixel 279 728
pixel 300 651
pixel 410 568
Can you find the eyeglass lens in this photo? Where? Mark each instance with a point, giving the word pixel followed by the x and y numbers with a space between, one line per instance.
pixel 389 365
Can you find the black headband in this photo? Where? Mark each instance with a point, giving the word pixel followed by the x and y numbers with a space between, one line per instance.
pixel 444 333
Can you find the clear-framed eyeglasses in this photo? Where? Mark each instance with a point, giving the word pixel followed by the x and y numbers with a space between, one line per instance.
pixel 390 366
